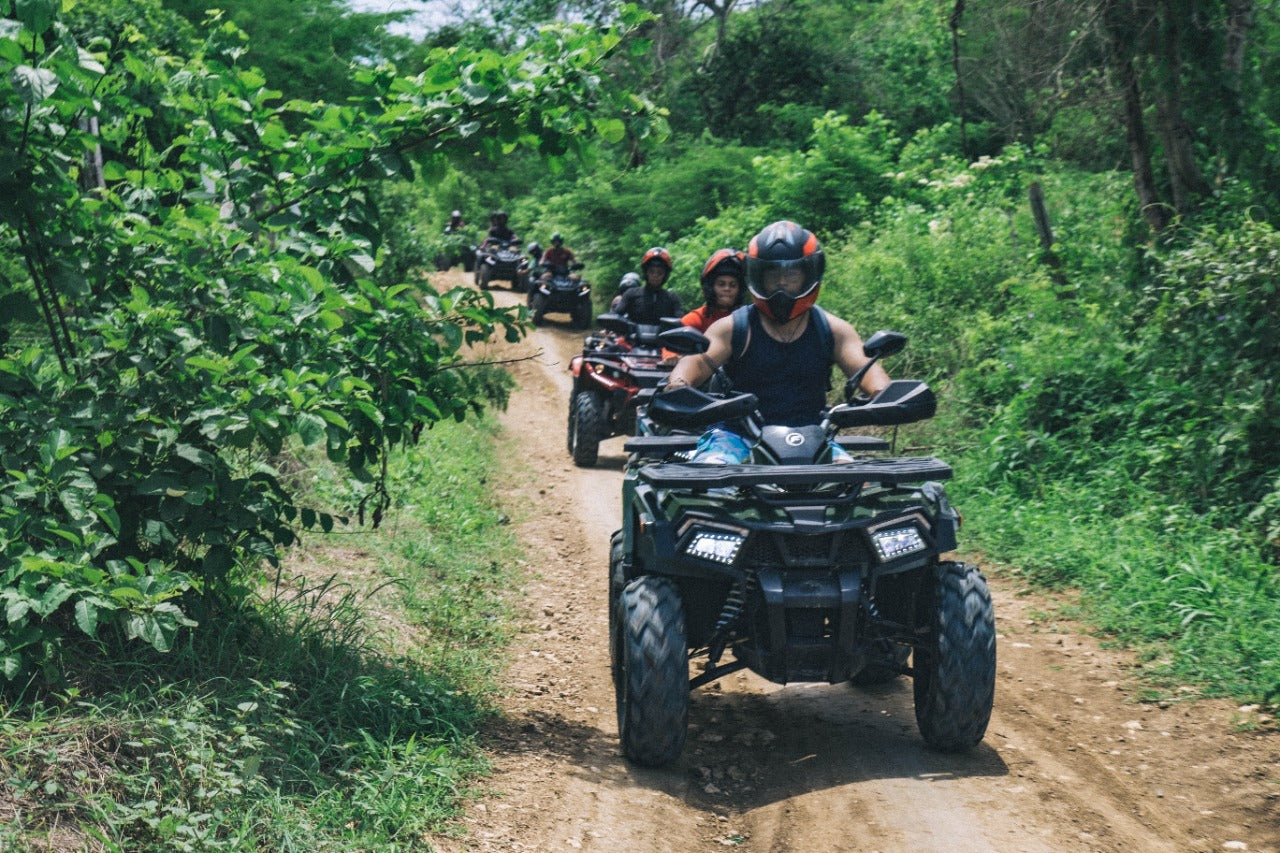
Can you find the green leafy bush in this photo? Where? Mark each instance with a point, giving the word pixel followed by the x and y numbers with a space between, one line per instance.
pixel 213 296
pixel 834 182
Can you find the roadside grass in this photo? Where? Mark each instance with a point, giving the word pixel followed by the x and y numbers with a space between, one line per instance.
pixel 334 712
pixel 1198 604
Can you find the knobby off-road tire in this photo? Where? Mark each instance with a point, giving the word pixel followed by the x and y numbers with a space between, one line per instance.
pixel 581 314
pixel 652 684
pixel 955 671
pixel 570 424
pixel 617 580
pixel 587 428
pixel 484 276
pixel 538 307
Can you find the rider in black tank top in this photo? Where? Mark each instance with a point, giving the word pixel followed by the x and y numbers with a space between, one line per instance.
pixel 784 267
pixel 791 379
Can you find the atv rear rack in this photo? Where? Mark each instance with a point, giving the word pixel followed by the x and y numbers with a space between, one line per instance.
pixel 892 471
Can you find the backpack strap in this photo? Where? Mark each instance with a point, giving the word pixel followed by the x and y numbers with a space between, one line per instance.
pixel 741 328
pixel 820 322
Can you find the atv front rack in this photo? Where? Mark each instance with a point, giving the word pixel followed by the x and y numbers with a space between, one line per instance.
pixel 891 472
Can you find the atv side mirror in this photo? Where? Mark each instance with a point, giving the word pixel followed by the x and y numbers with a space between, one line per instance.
pixel 669 322
pixel 576 265
pixel 685 340
pixel 904 401
pixel 877 346
pixel 884 343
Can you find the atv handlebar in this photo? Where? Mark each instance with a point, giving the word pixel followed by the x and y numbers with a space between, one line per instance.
pixel 642 334
pixel 685 340
pixel 689 409
pixel 903 401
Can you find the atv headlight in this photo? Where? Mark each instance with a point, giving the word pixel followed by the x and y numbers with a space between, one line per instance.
pixel 715 545
pixel 891 544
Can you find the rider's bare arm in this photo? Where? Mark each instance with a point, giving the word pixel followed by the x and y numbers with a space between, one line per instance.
pixel 696 369
pixel 850 357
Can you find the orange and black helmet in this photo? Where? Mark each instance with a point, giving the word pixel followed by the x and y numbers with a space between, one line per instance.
pixel 784 270
pixel 722 262
pixel 656 255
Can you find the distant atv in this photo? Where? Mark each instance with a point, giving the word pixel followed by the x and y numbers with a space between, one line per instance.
pixel 455 247
pixel 566 293
pixel 618 368
pixel 799 568
pixel 502 261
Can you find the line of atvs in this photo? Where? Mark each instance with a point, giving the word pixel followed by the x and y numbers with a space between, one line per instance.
pixel 563 291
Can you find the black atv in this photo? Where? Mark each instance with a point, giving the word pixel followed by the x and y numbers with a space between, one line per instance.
pixel 566 292
pixel 800 568
pixel 455 247
pixel 620 366
pixel 502 261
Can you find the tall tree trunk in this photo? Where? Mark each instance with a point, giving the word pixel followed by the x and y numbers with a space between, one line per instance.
pixel 1154 209
pixel 1185 177
pixel 1239 21
pixel 957 15
pixel 1123 23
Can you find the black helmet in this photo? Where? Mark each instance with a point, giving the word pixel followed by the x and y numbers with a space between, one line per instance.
pixel 784 270
pixel 498 216
pixel 629 281
pixel 556 239
pixel 722 262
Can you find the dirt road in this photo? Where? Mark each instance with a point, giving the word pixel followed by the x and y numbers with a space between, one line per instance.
pixel 1072 761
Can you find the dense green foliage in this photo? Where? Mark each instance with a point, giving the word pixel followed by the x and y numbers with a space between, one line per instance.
pixel 323 715
pixel 213 291
pixel 238 285
pixel 304 47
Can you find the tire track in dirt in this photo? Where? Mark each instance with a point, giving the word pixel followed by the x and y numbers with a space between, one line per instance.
pixel 1070 762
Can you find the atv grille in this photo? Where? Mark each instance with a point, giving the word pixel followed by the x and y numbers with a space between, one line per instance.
pixel 762 551
pixel 792 551
pixel 812 550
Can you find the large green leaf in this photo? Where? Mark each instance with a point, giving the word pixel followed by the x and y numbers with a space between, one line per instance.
pixel 36 15
pixel 33 85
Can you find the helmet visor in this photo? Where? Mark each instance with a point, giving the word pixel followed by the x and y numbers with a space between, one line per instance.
pixel 792 277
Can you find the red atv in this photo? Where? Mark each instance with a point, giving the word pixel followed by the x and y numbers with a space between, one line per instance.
pixel 620 365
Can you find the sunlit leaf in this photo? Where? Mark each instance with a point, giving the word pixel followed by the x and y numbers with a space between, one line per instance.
pixel 33 85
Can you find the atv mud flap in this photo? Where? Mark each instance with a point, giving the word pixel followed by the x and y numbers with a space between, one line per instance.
pixel 812 620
